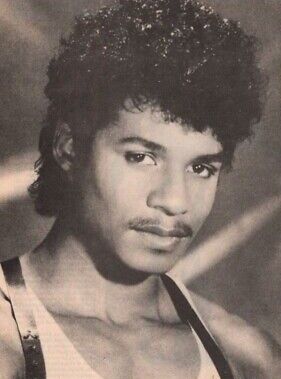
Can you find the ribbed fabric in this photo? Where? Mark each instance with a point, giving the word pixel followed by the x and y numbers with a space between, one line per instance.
pixel 24 318
pixel 62 360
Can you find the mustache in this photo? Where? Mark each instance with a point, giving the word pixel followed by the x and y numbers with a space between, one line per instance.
pixel 150 225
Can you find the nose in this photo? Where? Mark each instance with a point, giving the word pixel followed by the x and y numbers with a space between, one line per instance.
pixel 170 195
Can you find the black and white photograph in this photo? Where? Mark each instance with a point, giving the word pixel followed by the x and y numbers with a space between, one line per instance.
pixel 140 189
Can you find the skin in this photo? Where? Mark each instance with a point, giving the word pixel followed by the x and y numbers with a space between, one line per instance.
pixel 150 173
pixel 143 194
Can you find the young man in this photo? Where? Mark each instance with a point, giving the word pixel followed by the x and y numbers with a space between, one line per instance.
pixel 148 100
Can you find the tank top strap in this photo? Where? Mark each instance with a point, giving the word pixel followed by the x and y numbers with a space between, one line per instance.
pixel 24 318
pixel 188 316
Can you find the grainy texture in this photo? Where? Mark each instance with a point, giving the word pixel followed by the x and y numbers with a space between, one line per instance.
pixel 248 283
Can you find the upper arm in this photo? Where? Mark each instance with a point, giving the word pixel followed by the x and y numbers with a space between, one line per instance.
pixel 252 352
pixel 11 357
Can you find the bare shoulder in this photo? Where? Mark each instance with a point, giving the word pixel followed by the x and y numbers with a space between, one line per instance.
pixel 11 359
pixel 253 352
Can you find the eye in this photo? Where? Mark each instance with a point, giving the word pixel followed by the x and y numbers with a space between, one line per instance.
pixel 202 170
pixel 140 158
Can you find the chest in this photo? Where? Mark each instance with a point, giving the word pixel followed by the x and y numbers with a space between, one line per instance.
pixel 151 350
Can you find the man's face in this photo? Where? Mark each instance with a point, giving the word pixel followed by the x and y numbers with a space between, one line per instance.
pixel 147 188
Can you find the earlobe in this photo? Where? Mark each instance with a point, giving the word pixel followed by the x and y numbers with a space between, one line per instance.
pixel 63 149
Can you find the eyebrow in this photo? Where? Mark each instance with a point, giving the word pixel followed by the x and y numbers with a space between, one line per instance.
pixel 206 158
pixel 144 142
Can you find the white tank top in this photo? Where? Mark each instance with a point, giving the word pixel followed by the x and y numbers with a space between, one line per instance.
pixel 63 361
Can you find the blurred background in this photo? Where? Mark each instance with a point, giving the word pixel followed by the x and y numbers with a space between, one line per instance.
pixel 248 281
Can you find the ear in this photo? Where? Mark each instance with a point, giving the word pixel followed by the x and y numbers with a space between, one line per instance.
pixel 63 149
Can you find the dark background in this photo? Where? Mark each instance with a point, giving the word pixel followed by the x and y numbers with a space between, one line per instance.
pixel 247 283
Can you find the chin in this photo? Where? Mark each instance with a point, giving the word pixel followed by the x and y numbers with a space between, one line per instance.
pixel 155 262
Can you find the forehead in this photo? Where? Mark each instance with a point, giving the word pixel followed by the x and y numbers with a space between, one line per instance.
pixel 150 125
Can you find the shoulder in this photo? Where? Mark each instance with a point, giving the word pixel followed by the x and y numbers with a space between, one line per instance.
pixel 253 352
pixel 11 358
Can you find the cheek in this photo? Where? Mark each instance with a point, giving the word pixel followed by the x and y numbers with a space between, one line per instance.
pixel 122 189
pixel 203 200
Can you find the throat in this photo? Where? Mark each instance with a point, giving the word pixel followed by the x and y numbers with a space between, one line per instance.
pixel 132 305
pixel 74 287
pixel 67 280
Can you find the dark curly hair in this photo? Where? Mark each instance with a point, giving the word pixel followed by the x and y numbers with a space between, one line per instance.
pixel 176 55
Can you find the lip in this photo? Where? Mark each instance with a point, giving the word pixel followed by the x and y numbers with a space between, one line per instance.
pixel 159 238
pixel 160 243
pixel 162 232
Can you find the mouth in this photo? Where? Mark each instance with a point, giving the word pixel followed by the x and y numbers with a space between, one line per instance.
pixel 161 239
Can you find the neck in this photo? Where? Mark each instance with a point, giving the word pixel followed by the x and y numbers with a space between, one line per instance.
pixel 70 280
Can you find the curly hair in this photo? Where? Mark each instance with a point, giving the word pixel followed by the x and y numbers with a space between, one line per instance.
pixel 177 55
